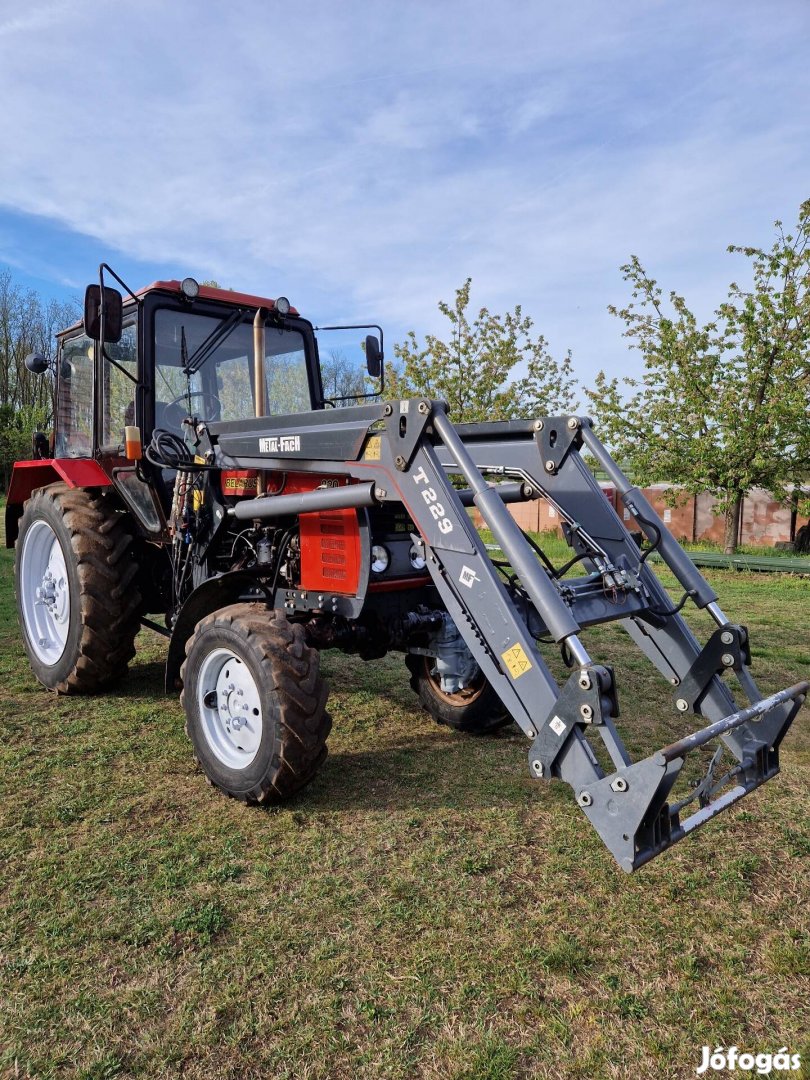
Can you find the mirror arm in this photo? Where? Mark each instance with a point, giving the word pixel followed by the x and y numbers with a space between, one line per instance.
pixel 105 266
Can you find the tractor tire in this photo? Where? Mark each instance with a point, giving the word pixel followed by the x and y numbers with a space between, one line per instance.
pixel 476 710
pixel 255 703
pixel 77 602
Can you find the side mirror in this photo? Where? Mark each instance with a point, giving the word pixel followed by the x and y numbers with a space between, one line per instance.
pixel 374 357
pixel 113 313
pixel 36 363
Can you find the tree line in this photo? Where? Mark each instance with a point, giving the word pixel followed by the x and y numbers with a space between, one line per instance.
pixel 721 406
pixel 28 323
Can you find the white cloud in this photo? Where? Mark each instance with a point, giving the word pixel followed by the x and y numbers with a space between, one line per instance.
pixel 365 160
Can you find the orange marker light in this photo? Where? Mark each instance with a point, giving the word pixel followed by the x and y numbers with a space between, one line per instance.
pixel 132 437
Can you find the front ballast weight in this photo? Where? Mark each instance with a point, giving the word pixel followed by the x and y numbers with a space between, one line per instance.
pixel 502 611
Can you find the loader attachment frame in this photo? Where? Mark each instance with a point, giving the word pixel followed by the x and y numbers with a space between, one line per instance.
pixel 408 450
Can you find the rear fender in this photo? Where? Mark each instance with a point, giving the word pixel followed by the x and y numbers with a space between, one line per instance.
pixel 27 476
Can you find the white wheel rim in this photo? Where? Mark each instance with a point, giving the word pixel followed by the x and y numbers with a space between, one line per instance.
pixel 230 708
pixel 45 593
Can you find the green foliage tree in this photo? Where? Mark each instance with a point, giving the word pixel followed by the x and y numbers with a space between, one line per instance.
pixel 474 371
pixel 721 407
pixel 17 427
pixel 27 324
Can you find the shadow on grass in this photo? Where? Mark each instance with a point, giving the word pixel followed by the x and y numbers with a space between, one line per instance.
pixel 422 773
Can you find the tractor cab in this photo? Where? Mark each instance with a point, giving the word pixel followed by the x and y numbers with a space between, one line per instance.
pixel 176 354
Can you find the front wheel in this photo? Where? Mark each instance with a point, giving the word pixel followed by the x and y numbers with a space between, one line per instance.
pixel 476 709
pixel 255 703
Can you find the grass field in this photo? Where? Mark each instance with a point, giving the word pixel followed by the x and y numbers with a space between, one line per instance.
pixel 424 909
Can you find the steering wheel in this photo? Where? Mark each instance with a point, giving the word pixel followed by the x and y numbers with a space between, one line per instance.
pixel 171 415
pixel 182 399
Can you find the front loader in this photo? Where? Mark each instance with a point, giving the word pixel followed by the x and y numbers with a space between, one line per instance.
pixel 199 471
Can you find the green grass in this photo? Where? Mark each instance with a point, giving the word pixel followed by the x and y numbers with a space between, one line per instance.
pixel 424 909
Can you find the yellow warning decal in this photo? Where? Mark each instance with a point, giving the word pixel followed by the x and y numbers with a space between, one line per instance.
pixel 516 660
pixel 373 448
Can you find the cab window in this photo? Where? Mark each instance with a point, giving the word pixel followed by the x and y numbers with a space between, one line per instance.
pixel 74 398
pixel 223 388
pixel 119 390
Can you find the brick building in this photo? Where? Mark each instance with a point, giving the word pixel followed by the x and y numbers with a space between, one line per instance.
pixel 764 522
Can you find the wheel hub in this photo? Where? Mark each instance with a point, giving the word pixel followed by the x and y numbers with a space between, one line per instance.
pixel 45 592
pixel 230 708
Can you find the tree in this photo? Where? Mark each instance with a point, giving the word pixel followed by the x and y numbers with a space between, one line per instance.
pixel 27 324
pixel 341 379
pixel 472 370
pixel 722 407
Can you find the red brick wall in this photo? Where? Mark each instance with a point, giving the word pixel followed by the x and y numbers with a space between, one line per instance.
pixel 764 520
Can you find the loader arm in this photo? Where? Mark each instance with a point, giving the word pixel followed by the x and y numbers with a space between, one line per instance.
pixel 407 450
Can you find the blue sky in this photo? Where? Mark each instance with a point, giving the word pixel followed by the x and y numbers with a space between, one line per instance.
pixel 365 158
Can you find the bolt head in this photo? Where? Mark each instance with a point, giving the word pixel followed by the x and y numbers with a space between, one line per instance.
pixel 550 466
pixel 727 659
pixel 585 681
pixel 573 423
pixel 538 425
pixel 423 407
pixel 585 798
pixel 682 704
pixel 727 637
pixel 537 768
pixel 587 712
pixel 619 784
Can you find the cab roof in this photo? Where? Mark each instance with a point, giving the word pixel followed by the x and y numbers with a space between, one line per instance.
pixel 207 292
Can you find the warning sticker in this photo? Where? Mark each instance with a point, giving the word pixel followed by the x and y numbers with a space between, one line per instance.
pixel 557 726
pixel 373 448
pixel 516 660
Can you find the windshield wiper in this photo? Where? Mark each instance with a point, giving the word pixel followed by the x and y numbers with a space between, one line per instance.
pixel 216 338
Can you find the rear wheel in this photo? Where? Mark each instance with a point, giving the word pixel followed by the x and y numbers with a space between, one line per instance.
pixel 476 709
pixel 255 703
pixel 74 573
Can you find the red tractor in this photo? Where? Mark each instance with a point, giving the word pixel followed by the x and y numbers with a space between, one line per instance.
pixel 198 470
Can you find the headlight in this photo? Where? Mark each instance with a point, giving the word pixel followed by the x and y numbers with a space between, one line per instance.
pixel 379 558
pixel 417 556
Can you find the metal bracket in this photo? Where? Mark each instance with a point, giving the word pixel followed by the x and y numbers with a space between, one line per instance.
pixel 406 428
pixel 727 649
pixel 588 698
pixel 556 437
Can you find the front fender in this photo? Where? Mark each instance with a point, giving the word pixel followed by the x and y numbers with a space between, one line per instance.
pixel 231 588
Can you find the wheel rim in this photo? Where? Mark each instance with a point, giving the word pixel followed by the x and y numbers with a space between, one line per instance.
pixel 230 708
pixel 44 593
pixel 461 697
